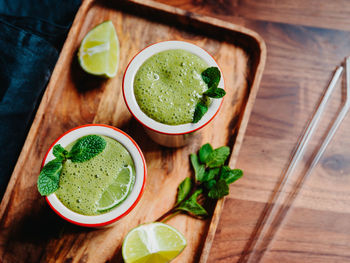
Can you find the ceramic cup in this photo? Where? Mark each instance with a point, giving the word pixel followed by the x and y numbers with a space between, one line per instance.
pixel 167 135
pixel 133 198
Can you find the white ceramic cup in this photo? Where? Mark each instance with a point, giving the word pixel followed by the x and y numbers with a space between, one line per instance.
pixel 167 135
pixel 133 198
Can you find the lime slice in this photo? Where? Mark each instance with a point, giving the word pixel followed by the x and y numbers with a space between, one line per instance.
pixel 99 51
pixel 152 243
pixel 116 192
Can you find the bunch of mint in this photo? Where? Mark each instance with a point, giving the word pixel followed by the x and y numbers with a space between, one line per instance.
pixel 211 181
pixel 83 150
pixel 211 76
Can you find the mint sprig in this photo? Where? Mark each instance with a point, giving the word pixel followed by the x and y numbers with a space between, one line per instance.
pixel 218 157
pixel 211 76
pixel 211 174
pixel 183 190
pixel 218 190
pixel 86 148
pixel 199 169
pixel 59 152
pixel 83 150
pixel 204 152
pixel 49 177
pixel 211 181
pixel 215 93
pixel 199 111
pixel 230 175
pixel 192 206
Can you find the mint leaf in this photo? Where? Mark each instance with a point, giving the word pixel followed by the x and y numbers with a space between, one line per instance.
pixel 59 152
pixel 215 93
pixel 209 184
pixel 211 174
pixel 191 205
pixel 218 157
pixel 86 148
pixel 199 112
pixel 49 177
pixel 199 169
pixel 230 175
pixel 184 189
pixel 204 152
pixel 220 189
pixel 211 76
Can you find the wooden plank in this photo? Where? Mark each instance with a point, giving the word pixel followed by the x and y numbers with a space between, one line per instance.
pixel 325 235
pixel 321 14
pixel 29 231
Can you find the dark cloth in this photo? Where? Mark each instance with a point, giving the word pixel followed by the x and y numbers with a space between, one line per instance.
pixel 31 36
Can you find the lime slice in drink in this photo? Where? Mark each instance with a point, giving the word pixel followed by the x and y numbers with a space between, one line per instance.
pixel 116 192
pixel 152 243
pixel 99 51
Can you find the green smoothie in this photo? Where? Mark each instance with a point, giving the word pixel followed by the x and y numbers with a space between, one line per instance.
pixel 106 179
pixel 169 85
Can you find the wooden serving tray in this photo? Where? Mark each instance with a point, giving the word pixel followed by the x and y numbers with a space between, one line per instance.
pixel 29 230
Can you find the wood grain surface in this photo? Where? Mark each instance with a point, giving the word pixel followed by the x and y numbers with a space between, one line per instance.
pixel 30 231
pixel 305 40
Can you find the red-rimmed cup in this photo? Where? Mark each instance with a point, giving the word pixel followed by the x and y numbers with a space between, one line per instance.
pixel 167 135
pixel 133 198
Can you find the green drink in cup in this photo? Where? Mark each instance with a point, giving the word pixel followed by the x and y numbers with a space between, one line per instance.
pixel 93 175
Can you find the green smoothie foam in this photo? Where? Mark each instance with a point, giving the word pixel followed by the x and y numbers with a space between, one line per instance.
pixel 169 85
pixel 82 184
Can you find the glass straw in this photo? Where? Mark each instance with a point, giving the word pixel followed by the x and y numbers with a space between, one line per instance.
pixel 274 214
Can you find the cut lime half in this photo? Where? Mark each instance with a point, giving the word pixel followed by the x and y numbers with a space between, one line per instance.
pixel 152 243
pixel 116 192
pixel 99 51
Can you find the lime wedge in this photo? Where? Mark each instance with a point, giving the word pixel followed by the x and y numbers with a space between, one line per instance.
pixel 99 51
pixel 116 192
pixel 152 243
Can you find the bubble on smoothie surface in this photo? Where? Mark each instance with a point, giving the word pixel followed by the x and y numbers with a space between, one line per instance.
pixel 169 85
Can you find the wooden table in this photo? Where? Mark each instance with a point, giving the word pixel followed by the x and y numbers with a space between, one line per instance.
pixel 306 40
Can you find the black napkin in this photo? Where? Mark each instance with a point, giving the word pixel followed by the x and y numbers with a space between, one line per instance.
pixel 31 36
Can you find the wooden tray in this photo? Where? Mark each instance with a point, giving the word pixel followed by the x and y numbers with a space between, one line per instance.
pixel 29 230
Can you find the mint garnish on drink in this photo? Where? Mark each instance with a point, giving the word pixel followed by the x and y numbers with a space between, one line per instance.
pixel 211 181
pixel 211 76
pixel 83 150
pixel 86 148
pixel 59 152
pixel 215 93
pixel 49 177
pixel 199 111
